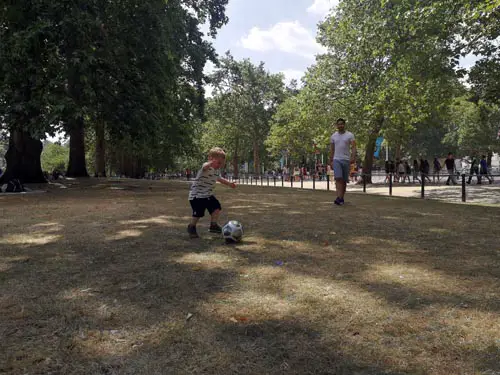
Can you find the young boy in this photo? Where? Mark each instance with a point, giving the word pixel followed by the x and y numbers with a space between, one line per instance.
pixel 201 193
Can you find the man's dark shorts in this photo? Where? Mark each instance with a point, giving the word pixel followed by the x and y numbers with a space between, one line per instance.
pixel 199 205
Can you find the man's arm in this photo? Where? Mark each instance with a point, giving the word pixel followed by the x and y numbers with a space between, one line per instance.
pixel 332 153
pixel 223 181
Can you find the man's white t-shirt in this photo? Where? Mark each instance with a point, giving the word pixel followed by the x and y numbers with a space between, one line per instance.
pixel 342 144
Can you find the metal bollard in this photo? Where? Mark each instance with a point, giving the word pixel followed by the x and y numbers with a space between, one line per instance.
pixel 328 182
pixel 364 183
pixel 282 180
pixel 302 182
pixel 422 190
pixel 390 184
pixel 464 198
pixel 314 182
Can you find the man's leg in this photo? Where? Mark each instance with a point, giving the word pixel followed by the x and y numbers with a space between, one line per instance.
pixel 340 187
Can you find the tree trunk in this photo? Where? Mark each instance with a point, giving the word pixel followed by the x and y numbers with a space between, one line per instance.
pixel 489 157
pixel 77 166
pixel 256 158
pixel 100 151
pixel 369 151
pixel 398 151
pixel 23 159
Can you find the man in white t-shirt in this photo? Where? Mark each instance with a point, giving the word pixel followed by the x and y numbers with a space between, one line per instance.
pixel 342 153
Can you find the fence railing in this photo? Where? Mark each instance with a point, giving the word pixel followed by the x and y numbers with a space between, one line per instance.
pixel 391 179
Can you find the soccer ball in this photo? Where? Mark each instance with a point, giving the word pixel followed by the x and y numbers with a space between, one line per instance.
pixel 232 231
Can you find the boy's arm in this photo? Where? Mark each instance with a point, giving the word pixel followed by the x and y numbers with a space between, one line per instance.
pixel 226 182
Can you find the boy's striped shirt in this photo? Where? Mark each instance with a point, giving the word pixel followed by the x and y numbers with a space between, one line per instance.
pixel 204 183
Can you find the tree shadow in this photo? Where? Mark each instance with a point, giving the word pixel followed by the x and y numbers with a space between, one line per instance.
pixel 112 290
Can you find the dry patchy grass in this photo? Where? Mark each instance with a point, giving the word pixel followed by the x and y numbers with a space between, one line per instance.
pixel 100 278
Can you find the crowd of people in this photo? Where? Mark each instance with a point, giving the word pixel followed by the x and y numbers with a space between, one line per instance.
pixel 402 171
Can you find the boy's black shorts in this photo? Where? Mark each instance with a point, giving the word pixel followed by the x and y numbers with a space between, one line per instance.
pixel 199 205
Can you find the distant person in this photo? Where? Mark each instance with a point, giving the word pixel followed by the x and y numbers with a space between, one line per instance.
pixel 450 167
pixel 401 171
pixel 484 169
pixel 416 170
pixel 342 153
pixel 387 170
pixel 474 169
pixel 407 171
pixel 436 169
pixel 427 170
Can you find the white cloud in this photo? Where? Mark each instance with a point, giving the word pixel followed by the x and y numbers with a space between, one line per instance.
pixel 290 37
pixel 322 7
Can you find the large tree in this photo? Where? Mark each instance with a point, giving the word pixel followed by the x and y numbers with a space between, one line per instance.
pixel 386 68
pixel 29 75
pixel 246 96
pixel 129 71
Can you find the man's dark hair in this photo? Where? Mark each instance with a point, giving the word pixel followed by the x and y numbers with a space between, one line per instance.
pixel 340 120
pixel 450 153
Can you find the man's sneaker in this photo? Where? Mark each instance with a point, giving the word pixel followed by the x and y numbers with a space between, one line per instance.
pixel 339 201
pixel 215 228
pixel 192 231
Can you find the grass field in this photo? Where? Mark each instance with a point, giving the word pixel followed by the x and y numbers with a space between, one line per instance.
pixel 101 278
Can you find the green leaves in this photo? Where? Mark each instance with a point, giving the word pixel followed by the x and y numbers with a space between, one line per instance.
pixel 245 98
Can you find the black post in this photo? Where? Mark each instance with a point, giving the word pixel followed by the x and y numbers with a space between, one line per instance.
pixel 314 182
pixel 390 184
pixel 261 180
pixel 274 178
pixel 328 182
pixel 267 180
pixel 464 198
pixel 282 180
pixel 364 183
pixel 422 192
pixel 291 180
pixel 301 182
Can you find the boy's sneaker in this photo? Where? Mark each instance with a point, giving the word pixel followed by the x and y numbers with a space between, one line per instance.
pixel 192 231
pixel 215 228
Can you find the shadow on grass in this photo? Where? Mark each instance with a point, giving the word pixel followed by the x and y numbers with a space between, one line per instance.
pixel 96 283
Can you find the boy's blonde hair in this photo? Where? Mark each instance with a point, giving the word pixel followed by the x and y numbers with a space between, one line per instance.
pixel 216 152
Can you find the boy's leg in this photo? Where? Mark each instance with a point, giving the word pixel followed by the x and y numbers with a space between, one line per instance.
pixel 214 217
pixel 198 212
pixel 214 208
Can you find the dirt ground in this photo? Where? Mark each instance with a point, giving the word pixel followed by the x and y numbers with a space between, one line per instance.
pixel 100 277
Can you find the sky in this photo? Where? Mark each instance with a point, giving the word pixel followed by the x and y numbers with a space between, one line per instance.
pixel 281 33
